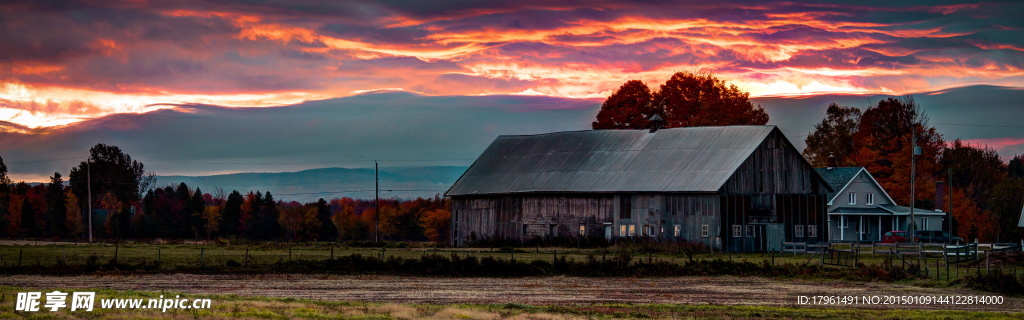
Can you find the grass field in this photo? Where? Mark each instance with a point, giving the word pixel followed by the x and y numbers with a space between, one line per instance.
pixel 236 307
pixel 210 256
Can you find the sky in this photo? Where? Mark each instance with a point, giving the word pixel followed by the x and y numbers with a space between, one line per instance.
pixel 66 61
pixel 70 70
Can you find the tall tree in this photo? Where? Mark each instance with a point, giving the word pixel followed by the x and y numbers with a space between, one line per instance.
pixel 833 136
pixel 883 146
pixel 5 198
pixel 232 214
pixel 1005 202
pixel 976 170
pixel 327 229
pixel 197 220
pixel 29 223
pixel 627 108
pixel 437 225
pixel 73 222
pixel 1015 169
pixel 690 99
pixel 56 212
pixel 111 171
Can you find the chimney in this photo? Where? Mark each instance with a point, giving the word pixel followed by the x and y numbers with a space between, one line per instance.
pixel 832 161
pixel 656 122
pixel 940 195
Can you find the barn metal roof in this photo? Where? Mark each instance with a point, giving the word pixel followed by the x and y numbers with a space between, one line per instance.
pixel 698 159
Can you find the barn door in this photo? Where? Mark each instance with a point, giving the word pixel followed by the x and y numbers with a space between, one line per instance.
pixel 775 234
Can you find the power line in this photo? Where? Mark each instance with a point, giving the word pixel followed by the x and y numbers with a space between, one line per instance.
pixel 47 160
pixel 312 162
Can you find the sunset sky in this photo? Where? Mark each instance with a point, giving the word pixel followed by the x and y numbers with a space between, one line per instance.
pixel 459 73
pixel 64 61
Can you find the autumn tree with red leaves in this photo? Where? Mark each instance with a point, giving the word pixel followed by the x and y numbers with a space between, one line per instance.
pixel 687 99
pixel 700 99
pixel 627 108
pixel 883 146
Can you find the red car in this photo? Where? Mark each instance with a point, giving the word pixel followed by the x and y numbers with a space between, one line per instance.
pixel 895 237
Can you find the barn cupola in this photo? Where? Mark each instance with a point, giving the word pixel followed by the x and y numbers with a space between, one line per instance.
pixel 656 122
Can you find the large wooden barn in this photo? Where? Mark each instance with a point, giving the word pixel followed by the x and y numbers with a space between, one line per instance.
pixel 738 188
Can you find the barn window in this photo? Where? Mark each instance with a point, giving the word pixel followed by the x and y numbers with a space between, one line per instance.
pixel 812 231
pixel 677 231
pixel 737 231
pixel 798 231
pixel 583 230
pixel 705 231
pixel 622 230
pixel 750 231
pixel 632 230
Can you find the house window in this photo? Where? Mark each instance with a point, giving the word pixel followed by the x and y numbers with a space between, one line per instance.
pixel 737 231
pixel 622 230
pixel 869 198
pixel 843 222
pixel 632 230
pixel 924 224
pixel 677 231
pixel 583 230
pixel 812 231
pixel 750 231
pixel 705 231
pixel 853 198
pixel 798 231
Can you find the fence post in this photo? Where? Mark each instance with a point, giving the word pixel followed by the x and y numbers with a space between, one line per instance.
pixel 246 262
pixel 116 246
pixel 289 254
pixel 202 253
pixel 21 252
pixel 157 255
pixel 332 252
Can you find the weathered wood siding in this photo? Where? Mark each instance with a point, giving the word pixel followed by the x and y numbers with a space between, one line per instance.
pixel 774 186
pixel 518 217
pixel 775 167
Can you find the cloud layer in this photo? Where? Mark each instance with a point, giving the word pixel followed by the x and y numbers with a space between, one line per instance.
pixel 67 61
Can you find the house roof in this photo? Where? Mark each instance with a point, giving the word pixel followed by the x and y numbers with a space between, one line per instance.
pixel 838 177
pixel 696 159
pixel 860 211
pixel 901 210
pixel 1021 222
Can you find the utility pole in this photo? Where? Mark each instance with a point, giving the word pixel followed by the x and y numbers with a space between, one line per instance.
pixel 88 183
pixel 913 177
pixel 949 212
pixel 376 210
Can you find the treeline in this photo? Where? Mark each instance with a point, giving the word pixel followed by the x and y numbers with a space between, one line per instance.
pixel 987 193
pixel 125 206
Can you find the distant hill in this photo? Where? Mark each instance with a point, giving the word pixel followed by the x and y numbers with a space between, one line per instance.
pixel 327 183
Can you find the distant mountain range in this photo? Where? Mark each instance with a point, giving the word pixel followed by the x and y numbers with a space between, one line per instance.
pixel 406 129
pixel 311 185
